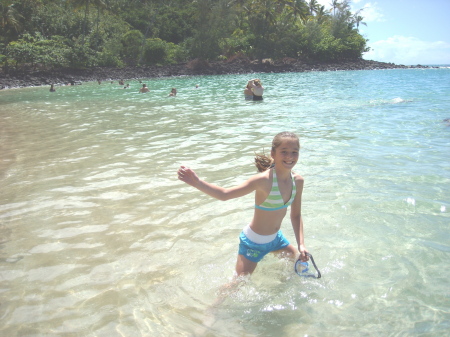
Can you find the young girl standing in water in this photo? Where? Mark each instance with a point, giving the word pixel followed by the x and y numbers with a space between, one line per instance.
pixel 276 187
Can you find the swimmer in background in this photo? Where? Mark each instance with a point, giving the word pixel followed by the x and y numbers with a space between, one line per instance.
pixel 52 88
pixel 257 89
pixel 144 88
pixel 276 187
pixel 173 92
pixel 248 93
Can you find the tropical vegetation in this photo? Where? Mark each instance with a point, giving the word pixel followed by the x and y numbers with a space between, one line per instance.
pixel 54 34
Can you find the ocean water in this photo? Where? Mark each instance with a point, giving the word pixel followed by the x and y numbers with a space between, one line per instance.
pixel 99 238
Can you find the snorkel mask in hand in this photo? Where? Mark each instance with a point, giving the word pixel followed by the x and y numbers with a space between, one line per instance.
pixel 302 268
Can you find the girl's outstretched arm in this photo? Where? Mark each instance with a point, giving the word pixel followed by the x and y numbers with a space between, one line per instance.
pixel 190 177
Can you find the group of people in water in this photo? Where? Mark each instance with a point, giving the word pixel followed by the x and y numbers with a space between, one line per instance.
pixel 253 91
pixel 145 89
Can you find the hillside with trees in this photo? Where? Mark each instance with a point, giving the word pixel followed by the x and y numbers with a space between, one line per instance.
pixel 80 34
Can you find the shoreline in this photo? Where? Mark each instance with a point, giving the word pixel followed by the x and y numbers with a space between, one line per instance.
pixel 26 78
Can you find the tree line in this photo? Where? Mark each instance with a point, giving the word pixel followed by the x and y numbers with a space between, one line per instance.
pixel 55 34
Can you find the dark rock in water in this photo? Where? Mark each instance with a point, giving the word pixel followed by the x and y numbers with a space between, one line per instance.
pixel 235 65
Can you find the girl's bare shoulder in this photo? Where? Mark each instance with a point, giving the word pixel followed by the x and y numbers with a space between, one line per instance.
pixel 261 179
pixel 261 176
pixel 298 178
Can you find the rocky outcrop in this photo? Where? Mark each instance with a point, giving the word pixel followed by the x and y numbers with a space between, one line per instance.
pixel 20 78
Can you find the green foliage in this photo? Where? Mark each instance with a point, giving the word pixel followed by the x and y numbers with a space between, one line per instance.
pixel 132 42
pixel 108 58
pixel 11 20
pixel 53 53
pixel 289 45
pixel 82 56
pixel 173 24
pixel 155 52
pixel 86 33
pixel 22 52
pixel 53 19
pixel 329 48
pixel 210 27
pixel 238 42
pixel 176 53
pixel 111 54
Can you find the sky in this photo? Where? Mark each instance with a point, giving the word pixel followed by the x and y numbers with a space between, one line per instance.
pixel 408 32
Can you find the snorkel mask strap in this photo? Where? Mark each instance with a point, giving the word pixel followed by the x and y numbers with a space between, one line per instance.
pixel 314 264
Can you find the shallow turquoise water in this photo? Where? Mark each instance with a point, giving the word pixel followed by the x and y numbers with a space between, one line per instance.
pixel 99 238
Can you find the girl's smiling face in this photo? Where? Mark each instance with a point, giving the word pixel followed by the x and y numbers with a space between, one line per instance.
pixel 286 154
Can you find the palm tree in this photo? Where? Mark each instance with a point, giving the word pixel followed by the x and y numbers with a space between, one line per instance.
pixel 86 4
pixel 322 15
pixel 81 4
pixel 152 10
pixel 99 4
pixel 334 4
pixel 344 6
pixel 313 6
pixel 299 9
pixel 241 11
pixel 358 18
pixel 9 16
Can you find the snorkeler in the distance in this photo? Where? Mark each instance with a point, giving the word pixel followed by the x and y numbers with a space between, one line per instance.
pixel 276 187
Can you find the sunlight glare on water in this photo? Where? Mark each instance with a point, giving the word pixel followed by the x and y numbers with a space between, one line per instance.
pixel 99 238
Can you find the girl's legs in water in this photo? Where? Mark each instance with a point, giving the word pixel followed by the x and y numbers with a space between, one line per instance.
pixel 247 267
pixel 244 266
pixel 289 251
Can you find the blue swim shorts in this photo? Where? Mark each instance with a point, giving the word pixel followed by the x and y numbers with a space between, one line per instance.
pixel 255 251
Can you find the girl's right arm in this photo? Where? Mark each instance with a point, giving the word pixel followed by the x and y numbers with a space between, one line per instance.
pixel 189 177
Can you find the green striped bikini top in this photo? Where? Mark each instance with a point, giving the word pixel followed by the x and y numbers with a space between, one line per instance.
pixel 274 200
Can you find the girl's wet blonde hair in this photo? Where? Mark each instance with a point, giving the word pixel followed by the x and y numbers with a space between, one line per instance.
pixel 263 162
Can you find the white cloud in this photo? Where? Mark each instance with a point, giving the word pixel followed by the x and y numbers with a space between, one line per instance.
pixel 371 13
pixel 325 3
pixel 409 51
